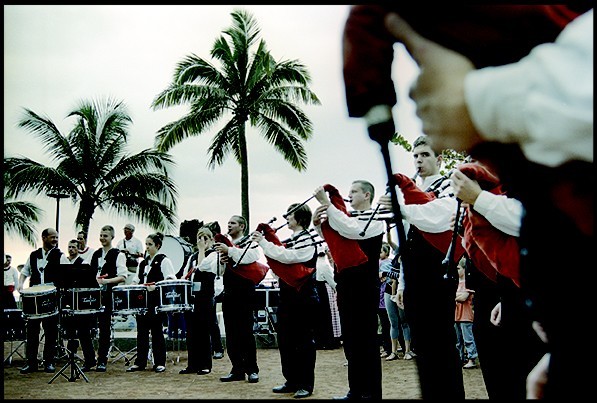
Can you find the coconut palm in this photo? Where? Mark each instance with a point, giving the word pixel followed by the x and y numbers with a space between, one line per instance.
pixel 93 168
pixel 20 218
pixel 249 87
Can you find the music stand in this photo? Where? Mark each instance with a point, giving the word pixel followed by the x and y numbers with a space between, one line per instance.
pixel 76 275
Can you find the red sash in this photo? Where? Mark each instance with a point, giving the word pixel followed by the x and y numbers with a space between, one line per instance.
pixel 345 252
pixel 499 250
pixel 255 271
pixel 293 274
pixel 413 195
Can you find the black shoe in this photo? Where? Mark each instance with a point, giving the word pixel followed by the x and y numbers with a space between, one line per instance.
pixel 301 393
pixel 88 367
pixel 134 368
pixel 218 355
pixel 284 389
pixel 349 396
pixel 159 368
pixel 100 367
pixel 27 369
pixel 50 369
pixel 187 370
pixel 204 371
pixel 253 377
pixel 232 377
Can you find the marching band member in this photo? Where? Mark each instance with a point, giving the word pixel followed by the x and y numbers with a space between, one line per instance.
pixel 491 225
pixel 294 264
pixel 201 269
pixel 110 264
pixel 356 256
pixel 42 267
pixel 155 267
pixel 240 279
pixel 429 296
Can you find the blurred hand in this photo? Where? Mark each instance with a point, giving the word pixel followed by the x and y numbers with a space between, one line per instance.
pixel 465 188
pixel 438 91
pixel 319 215
pixel 496 315
pixel 537 378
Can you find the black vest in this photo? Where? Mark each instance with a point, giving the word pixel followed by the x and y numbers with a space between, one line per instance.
pixel 51 271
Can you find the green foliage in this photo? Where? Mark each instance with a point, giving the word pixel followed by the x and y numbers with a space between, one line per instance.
pixel 249 87
pixel 450 157
pixel 93 168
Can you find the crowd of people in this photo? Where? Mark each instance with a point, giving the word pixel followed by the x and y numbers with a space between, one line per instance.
pixel 475 279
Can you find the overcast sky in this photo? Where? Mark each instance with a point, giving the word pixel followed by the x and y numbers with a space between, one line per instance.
pixel 56 56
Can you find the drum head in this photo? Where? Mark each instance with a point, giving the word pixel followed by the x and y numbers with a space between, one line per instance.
pixel 177 250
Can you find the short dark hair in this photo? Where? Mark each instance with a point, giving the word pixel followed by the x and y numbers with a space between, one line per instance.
pixel 302 214
pixel 424 140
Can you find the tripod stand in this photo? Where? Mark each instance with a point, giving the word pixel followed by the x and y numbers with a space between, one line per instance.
pixel 113 346
pixel 75 369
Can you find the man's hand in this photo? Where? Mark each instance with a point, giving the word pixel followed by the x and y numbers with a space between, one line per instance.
pixel 465 188
pixel 439 89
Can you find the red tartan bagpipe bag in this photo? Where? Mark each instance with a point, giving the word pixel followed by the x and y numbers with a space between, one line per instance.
pixel 489 248
pixel 413 195
pixel 255 271
pixel 345 252
pixel 293 274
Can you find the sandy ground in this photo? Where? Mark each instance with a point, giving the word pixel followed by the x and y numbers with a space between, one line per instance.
pixel 400 380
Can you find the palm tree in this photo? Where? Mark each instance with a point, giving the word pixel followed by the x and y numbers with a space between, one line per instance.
pixel 20 218
pixel 253 88
pixel 93 168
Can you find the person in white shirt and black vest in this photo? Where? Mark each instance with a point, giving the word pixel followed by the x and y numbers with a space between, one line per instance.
pixel 154 268
pixel 355 249
pixel 110 264
pixel 42 267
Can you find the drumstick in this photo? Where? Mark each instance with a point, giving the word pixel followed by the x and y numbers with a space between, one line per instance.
pixel 189 274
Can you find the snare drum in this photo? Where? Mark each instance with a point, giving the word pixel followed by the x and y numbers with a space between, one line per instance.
pixel 39 301
pixel 81 301
pixel 129 299
pixel 174 295
pixel 14 325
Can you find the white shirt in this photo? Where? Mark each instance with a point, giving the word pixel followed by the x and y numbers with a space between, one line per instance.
pixel 544 102
pixel 11 276
pixel 133 245
pixel 324 271
pixel 26 271
pixel 288 255
pixel 503 212
pixel 166 268
pixel 432 217
pixel 252 255
pixel 121 270
pixel 86 255
pixel 351 227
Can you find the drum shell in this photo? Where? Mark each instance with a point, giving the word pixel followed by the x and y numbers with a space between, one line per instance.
pixel 13 325
pixel 81 301
pixel 129 299
pixel 174 295
pixel 39 301
pixel 178 251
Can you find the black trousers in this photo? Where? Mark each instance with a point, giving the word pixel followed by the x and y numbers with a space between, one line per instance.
pixel 296 334
pixel 151 322
pixel 429 310
pixel 50 325
pixel 358 303
pixel 237 306
pixel 199 343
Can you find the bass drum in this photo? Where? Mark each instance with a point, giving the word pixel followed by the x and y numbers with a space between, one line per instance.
pixel 177 250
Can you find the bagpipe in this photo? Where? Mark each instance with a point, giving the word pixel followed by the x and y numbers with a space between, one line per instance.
pixel 293 274
pixel 255 271
pixel 490 249
pixel 345 252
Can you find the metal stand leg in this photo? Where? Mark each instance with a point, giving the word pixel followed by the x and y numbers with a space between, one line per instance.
pixel 13 351
pixel 121 354
pixel 75 370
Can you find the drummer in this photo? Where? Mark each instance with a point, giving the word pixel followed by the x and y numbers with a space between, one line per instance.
pixel 154 268
pixel 42 267
pixel 78 328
